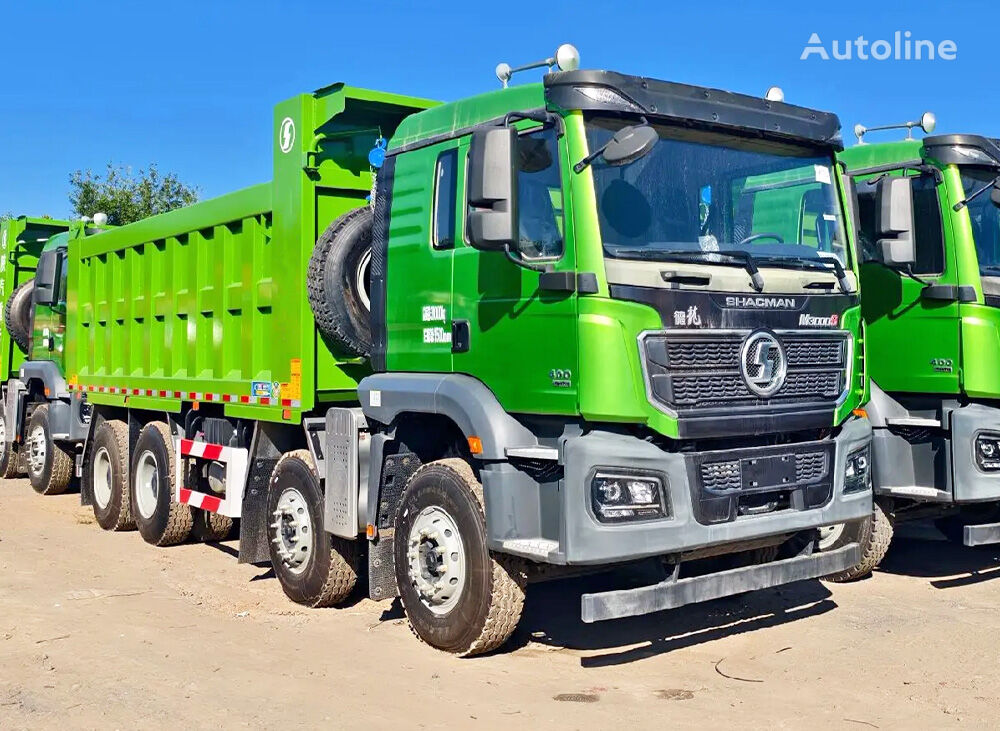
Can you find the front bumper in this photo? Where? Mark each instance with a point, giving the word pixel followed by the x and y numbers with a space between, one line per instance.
pixel 552 522
pixel 674 593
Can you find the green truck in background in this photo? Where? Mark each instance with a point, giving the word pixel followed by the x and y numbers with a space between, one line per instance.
pixel 583 322
pixel 21 242
pixel 929 229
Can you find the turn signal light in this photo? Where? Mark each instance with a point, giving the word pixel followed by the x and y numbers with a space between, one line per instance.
pixel 475 445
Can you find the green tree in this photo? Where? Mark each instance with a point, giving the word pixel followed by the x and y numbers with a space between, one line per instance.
pixel 126 197
pixel 5 216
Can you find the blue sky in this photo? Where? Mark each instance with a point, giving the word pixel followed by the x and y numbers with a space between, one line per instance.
pixel 190 85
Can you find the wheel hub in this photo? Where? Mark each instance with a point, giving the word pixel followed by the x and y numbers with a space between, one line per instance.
pixel 830 534
pixel 147 484
pixel 3 438
pixel 36 450
pixel 436 562
pixel 293 531
pixel 102 478
pixel 362 279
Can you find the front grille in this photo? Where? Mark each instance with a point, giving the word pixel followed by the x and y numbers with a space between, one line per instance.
pixel 689 371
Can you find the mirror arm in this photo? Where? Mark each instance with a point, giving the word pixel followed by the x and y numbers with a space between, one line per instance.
pixel 521 262
pixel 908 271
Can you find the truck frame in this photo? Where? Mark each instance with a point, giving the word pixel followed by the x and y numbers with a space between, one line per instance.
pixel 500 370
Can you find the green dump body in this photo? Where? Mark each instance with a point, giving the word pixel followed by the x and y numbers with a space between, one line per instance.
pixel 21 242
pixel 208 303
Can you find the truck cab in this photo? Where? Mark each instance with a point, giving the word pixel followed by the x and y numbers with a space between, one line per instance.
pixel 932 327
pixel 636 304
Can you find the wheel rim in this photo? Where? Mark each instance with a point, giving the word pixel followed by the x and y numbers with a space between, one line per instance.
pixel 293 530
pixel 147 484
pixel 102 478
pixel 36 450
pixel 3 438
pixel 435 556
pixel 362 279
pixel 830 534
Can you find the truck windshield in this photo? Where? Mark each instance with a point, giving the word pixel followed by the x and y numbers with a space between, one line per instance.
pixel 985 219
pixel 703 191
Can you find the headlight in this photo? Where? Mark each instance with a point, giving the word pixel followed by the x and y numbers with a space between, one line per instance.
pixel 622 497
pixel 988 452
pixel 857 473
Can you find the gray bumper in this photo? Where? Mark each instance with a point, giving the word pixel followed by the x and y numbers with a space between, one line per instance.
pixel 553 522
pixel 672 593
pixel 981 535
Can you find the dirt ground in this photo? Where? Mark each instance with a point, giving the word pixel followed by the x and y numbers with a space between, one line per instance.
pixel 100 630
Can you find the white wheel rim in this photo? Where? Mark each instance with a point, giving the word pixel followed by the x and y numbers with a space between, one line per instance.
pixel 147 484
pixel 435 556
pixel 362 278
pixel 102 478
pixel 36 450
pixel 293 530
pixel 3 438
pixel 830 534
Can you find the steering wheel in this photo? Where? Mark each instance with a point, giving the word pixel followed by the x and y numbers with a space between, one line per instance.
pixel 755 237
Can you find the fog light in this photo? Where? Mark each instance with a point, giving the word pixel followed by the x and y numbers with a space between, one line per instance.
pixel 988 452
pixel 857 472
pixel 620 497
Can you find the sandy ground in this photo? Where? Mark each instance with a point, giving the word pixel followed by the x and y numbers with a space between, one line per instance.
pixel 100 630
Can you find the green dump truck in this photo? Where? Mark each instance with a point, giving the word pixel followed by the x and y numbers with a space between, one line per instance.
pixel 580 323
pixel 21 242
pixel 929 228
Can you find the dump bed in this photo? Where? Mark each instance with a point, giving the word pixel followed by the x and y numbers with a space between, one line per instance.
pixel 21 242
pixel 208 303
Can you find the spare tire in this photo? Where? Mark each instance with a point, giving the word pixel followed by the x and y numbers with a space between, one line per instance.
pixel 339 285
pixel 17 314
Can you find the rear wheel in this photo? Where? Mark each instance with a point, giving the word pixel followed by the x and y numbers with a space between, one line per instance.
pixel 108 474
pixel 873 534
pixel 314 568
pixel 210 527
pixel 161 520
pixel 50 467
pixel 8 452
pixel 458 596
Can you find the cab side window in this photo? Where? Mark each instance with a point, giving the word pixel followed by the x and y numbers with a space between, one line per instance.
pixel 445 193
pixel 539 195
pixel 927 236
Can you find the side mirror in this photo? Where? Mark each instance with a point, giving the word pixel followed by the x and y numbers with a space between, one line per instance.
pixel 894 207
pixel 492 218
pixel 629 144
pixel 47 278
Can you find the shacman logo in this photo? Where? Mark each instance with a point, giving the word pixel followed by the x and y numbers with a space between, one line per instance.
pixel 286 134
pixel 902 48
pixel 761 303
pixel 813 321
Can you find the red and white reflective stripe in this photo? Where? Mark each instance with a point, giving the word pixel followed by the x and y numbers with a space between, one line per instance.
pixel 189 395
pixel 210 503
pixel 237 461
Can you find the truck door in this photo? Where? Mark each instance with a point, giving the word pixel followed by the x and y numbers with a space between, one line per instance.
pixel 912 341
pixel 518 339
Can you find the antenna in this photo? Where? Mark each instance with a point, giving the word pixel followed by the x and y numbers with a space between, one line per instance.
pixel 567 58
pixel 927 122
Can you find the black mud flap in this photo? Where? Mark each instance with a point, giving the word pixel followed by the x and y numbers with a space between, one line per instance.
pixel 674 593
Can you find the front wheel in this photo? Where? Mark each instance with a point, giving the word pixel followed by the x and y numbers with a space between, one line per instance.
pixel 873 534
pixel 458 596
pixel 50 467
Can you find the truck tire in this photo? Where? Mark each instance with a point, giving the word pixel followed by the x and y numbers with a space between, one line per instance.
pixel 458 596
pixel 108 471
pixel 337 282
pixel 313 567
pixel 17 315
pixel 9 467
pixel 952 527
pixel 874 534
pixel 161 520
pixel 50 467
pixel 209 527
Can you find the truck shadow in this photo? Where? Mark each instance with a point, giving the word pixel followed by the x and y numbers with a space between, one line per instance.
pixel 552 617
pixel 918 550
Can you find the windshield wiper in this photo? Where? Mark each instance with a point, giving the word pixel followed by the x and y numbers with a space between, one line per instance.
pixel 990 270
pixel 745 258
pixel 995 183
pixel 821 263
